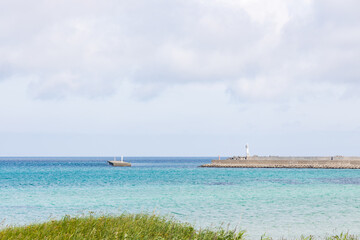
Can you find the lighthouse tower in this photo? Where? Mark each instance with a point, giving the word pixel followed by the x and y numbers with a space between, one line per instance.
pixel 247 151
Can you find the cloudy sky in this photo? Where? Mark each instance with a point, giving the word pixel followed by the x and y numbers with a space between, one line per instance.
pixel 179 77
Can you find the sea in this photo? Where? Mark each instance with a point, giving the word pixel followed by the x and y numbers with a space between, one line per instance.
pixel 272 202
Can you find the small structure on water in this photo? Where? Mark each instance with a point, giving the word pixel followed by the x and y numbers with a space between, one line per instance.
pixel 120 163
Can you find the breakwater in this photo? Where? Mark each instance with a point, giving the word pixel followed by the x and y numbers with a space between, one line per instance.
pixel 331 162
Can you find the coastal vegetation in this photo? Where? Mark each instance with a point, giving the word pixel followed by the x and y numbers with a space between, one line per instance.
pixel 129 226
pixel 125 226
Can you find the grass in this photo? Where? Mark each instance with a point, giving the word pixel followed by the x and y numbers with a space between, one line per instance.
pixel 129 226
pixel 126 226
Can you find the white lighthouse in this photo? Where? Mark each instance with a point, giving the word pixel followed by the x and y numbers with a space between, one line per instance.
pixel 247 151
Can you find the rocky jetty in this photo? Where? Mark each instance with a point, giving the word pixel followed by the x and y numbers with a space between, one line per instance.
pixel 332 162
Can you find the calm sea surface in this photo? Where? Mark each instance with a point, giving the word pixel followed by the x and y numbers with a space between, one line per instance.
pixel 278 202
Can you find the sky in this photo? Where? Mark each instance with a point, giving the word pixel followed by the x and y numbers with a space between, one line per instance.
pixel 179 77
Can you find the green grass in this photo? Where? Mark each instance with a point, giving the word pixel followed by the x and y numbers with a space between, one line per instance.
pixel 129 226
pixel 126 226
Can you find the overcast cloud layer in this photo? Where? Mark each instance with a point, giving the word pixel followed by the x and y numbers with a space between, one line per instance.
pixel 275 73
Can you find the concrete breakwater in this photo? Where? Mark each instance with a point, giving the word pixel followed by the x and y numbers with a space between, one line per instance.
pixel 335 162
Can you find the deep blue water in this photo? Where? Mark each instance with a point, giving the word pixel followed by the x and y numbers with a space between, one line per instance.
pixel 279 202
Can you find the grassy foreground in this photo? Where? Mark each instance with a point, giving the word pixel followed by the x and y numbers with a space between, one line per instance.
pixel 128 226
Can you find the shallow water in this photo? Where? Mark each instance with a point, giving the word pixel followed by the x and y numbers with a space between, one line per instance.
pixel 278 202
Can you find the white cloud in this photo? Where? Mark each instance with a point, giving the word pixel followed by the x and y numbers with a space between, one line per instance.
pixel 146 41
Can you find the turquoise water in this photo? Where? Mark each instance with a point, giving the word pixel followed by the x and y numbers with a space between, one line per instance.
pixel 278 202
